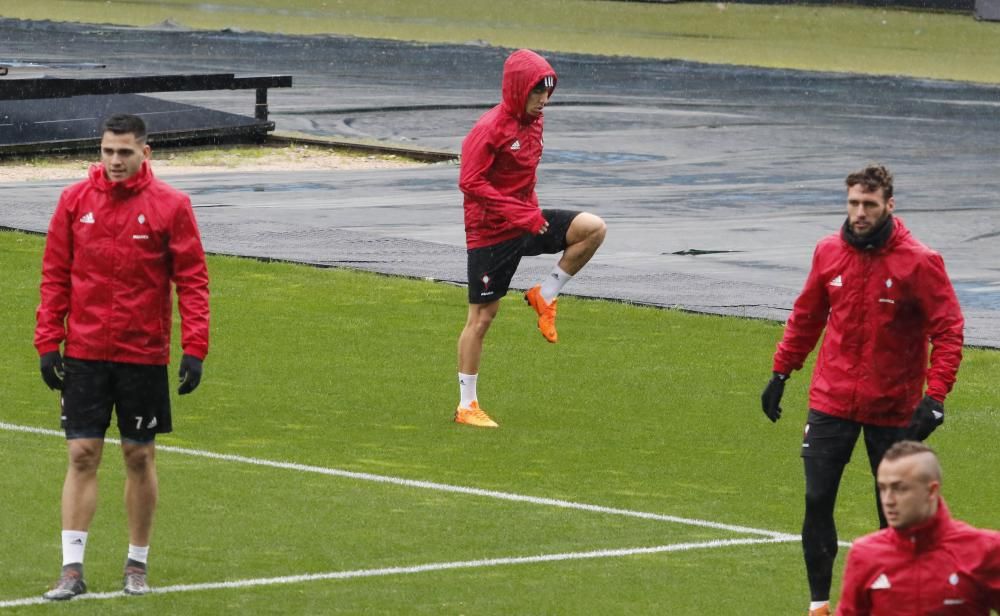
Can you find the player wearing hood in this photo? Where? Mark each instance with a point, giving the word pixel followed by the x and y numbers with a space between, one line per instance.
pixel 503 221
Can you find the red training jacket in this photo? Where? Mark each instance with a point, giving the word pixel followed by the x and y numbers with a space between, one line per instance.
pixel 499 158
pixel 880 308
pixel 943 567
pixel 111 253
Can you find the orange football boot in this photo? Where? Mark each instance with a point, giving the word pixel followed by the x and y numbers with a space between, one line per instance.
pixel 474 416
pixel 546 312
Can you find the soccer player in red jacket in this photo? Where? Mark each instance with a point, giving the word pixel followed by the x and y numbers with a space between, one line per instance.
pixel 503 221
pixel 926 562
pixel 117 243
pixel 881 296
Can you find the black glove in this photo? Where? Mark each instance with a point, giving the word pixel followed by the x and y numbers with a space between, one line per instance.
pixel 770 400
pixel 190 374
pixel 928 416
pixel 52 369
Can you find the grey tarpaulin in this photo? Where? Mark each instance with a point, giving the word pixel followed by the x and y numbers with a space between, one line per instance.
pixel 743 167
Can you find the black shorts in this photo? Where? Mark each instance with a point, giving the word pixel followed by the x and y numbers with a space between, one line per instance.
pixel 833 438
pixel 491 268
pixel 139 394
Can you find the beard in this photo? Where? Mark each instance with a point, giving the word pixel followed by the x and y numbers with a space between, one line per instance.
pixel 872 228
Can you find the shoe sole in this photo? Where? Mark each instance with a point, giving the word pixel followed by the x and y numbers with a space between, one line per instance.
pixel 476 425
pixel 47 597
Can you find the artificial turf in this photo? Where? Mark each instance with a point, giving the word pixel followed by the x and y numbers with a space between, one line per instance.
pixel 636 408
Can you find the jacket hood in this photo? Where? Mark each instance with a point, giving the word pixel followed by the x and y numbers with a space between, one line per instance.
pixel 99 180
pixel 522 70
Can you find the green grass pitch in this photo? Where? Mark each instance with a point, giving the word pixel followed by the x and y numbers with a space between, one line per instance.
pixel 351 377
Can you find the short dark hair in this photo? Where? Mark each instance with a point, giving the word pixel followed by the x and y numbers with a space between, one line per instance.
pixel 872 177
pixel 124 124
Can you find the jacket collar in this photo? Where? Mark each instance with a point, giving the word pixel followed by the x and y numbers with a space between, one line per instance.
pixel 926 534
pixel 120 190
pixel 874 240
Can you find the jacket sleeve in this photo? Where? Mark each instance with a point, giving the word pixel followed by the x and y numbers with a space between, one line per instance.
pixel 853 593
pixel 945 325
pixel 50 328
pixel 190 276
pixel 991 564
pixel 804 327
pixel 478 153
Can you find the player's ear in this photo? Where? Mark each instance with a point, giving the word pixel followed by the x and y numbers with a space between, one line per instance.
pixel 934 490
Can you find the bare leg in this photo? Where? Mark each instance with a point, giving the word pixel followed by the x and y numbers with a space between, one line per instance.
pixel 584 236
pixel 470 342
pixel 141 490
pixel 79 496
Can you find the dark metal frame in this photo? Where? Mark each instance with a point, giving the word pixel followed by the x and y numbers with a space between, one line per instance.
pixel 58 87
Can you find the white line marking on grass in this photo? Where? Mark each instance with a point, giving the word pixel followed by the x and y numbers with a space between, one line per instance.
pixel 441 487
pixel 462 564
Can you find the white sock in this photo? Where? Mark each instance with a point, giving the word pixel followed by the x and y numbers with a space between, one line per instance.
pixel 138 554
pixel 467 389
pixel 554 283
pixel 74 542
pixel 815 605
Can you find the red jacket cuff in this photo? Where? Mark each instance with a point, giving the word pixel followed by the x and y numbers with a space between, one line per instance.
pixel 199 352
pixel 938 393
pixel 47 348
pixel 536 225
